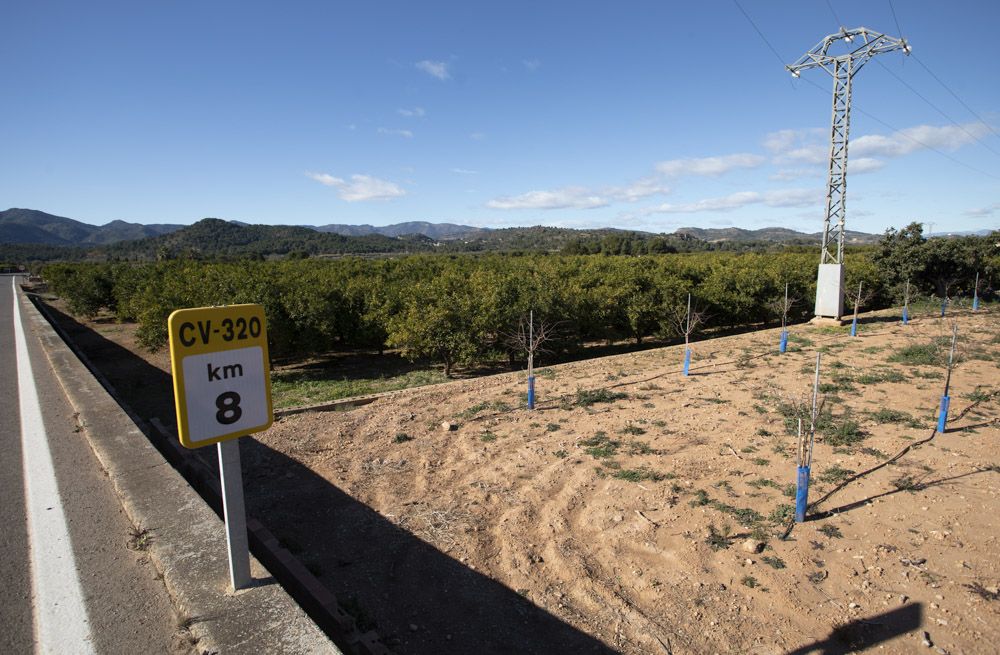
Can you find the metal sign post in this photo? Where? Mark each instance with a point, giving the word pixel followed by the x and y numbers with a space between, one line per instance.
pixel 222 389
pixel 235 513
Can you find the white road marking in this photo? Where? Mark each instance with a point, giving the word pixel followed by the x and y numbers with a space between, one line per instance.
pixel 61 624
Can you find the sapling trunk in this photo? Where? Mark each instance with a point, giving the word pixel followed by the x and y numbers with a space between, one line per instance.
pixel 531 359
pixel 805 453
pixel 687 338
pixel 783 346
pixel 946 398
pixel 857 304
pixel 906 303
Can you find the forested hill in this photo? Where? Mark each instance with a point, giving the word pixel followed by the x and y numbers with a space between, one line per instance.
pixel 212 237
pixel 770 234
pixel 29 235
pixel 37 227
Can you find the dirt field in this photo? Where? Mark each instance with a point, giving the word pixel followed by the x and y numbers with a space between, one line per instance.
pixel 626 512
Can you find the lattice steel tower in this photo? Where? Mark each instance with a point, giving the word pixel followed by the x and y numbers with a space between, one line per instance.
pixel 830 280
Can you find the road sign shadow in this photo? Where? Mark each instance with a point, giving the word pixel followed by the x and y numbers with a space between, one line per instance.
pixel 418 598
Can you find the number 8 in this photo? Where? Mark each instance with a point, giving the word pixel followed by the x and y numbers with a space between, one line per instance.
pixel 228 404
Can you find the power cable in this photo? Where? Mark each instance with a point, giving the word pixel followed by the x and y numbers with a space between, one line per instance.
pixel 940 81
pixel 761 34
pixel 899 30
pixel 955 95
pixel 835 17
pixel 911 138
pixel 936 108
pixel 874 118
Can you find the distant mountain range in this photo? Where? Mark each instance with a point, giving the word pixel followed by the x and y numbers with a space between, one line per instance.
pixel 774 234
pixel 30 226
pixel 436 231
pixel 33 226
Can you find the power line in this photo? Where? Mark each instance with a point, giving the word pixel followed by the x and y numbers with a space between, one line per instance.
pixel 871 116
pixel 911 138
pixel 899 30
pixel 955 95
pixel 835 17
pixel 941 82
pixel 757 29
pixel 936 108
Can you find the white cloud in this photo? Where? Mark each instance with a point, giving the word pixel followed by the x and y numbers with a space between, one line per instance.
pixel 531 64
pixel 712 166
pixel 438 69
pixel 464 171
pixel 811 146
pixel 477 136
pixel 565 198
pixel 798 146
pixel 642 188
pixel 983 212
pixel 921 137
pixel 784 140
pixel 415 112
pixel 779 198
pixel 406 134
pixel 578 197
pixel 864 165
pixel 360 187
pixel 814 153
pixel 792 197
pixel 786 174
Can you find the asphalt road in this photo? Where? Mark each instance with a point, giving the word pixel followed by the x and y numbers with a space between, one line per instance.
pixel 88 590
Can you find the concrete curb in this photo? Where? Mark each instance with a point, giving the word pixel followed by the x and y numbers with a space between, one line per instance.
pixel 188 542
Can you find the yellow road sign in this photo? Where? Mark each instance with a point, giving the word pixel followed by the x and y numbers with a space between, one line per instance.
pixel 221 369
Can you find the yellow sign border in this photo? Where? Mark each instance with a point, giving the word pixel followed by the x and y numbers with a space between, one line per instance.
pixel 212 342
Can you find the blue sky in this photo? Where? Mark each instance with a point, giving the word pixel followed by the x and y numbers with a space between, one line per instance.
pixel 641 115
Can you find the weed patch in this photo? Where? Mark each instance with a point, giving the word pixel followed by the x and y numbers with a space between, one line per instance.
pixel 921 354
pixel 701 498
pixel 783 513
pixel 879 376
pixel 586 397
pixel 719 540
pixel 773 562
pixel 894 416
pixel 637 475
pixel 835 474
pixel 907 483
pixel 831 531
pixel 600 446
pixel 496 405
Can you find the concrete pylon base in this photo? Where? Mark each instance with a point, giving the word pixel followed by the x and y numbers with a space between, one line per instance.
pixel 826 321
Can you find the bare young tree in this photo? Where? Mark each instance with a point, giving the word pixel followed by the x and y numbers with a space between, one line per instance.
pixel 783 307
pixel 530 338
pixel 906 302
pixel 946 397
pixel 684 320
pixel 858 301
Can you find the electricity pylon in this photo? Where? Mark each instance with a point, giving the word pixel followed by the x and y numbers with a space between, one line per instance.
pixel 830 279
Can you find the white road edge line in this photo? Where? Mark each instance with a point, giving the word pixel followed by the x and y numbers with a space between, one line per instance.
pixel 61 624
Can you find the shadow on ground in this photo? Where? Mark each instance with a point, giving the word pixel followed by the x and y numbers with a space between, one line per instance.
pixel 862 634
pixel 419 599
